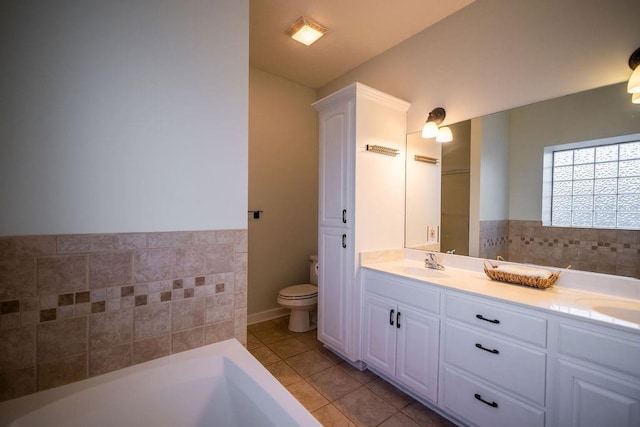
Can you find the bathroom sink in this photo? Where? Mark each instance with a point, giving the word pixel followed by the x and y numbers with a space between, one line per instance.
pixel 619 309
pixel 418 271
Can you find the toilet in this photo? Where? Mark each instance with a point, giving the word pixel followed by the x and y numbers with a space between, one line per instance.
pixel 302 300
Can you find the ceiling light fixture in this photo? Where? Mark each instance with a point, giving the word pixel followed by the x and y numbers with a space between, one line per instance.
pixel 634 80
pixel 430 128
pixel 305 31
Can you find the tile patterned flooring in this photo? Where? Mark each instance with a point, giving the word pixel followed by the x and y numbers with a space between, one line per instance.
pixel 336 393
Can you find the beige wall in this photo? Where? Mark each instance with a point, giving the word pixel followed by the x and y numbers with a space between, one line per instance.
pixel 283 182
pixel 498 54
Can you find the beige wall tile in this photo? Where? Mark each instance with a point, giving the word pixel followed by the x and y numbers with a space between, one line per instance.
pixel 83 243
pixel 130 241
pixel 170 239
pixel 216 332
pixel 61 338
pixel 25 246
pixel 111 328
pixel 110 359
pixel 17 278
pixel 18 349
pixel 187 313
pixel 151 348
pixel 62 274
pixel 151 320
pixel 189 261
pixel 188 339
pixel 219 259
pixel 110 269
pixel 219 307
pixel 152 265
pixel 17 383
pixel 62 371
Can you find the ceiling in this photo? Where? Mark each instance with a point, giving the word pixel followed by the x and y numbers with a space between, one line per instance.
pixel 358 31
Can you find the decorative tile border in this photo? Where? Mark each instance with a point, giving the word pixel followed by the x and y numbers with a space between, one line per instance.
pixel 74 306
pixel 596 250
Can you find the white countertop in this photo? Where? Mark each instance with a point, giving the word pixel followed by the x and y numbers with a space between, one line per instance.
pixel 618 310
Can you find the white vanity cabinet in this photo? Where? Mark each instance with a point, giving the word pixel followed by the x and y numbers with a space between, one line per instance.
pixel 493 363
pixel 595 374
pixel 401 332
pixel 361 199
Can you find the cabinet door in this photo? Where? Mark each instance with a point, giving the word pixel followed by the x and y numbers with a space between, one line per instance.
pixel 589 398
pixel 417 351
pixel 336 129
pixel 379 334
pixel 333 296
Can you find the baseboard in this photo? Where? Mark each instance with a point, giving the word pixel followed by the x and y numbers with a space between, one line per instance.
pixel 271 314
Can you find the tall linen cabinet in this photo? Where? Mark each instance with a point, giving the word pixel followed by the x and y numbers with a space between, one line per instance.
pixel 361 202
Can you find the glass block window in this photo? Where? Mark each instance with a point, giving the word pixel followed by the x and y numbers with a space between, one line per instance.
pixel 597 186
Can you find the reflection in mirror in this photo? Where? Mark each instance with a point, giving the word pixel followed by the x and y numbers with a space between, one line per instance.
pixel 505 176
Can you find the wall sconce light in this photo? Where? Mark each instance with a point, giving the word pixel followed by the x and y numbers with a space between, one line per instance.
pixel 430 128
pixel 306 31
pixel 444 134
pixel 634 81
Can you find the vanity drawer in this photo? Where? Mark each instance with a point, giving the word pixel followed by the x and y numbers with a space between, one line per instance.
pixel 462 396
pixel 493 318
pixel 509 365
pixel 611 349
pixel 403 291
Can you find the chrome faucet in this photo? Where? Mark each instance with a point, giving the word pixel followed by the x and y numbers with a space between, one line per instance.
pixel 432 261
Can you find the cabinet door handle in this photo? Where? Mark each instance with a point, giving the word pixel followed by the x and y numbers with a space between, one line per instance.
pixel 344 216
pixel 391 317
pixel 494 351
pixel 492 404
pixel 398 320
pixel 344 240
pixel 481 317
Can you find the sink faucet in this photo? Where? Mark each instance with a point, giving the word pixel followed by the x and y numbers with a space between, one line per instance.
pixel 432 261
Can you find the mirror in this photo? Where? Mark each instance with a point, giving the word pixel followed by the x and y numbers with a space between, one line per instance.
pixel 504 202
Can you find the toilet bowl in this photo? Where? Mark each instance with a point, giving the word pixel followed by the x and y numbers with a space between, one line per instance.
pixel 302 300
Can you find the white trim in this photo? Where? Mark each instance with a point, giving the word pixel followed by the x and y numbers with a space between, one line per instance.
pixel 271 314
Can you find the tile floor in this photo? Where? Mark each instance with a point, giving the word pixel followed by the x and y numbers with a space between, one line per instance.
pixel 336 393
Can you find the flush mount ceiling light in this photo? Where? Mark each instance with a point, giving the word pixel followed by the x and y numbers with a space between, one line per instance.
pixel 430 128
pixel 634 80
pixel 305 31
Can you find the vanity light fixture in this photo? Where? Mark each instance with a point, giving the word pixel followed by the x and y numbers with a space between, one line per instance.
pixel 634 81
pixel 430 128
pixel 635 98
pixel 305 31
pixel 444 134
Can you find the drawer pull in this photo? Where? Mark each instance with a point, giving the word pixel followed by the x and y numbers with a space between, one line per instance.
pixel 494 351
pixel 344 216
pixel 391 317
pixel 481 317
pixel 344 240
pixel 492 404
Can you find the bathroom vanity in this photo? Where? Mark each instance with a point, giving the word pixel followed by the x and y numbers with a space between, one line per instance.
pixel 487 353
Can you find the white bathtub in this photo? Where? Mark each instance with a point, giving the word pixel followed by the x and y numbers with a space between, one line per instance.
pixel 217 385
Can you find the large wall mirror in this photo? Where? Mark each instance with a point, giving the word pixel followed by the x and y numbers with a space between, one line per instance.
pixel 484 195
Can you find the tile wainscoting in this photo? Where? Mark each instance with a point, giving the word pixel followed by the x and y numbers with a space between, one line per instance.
pixel 589 249
pixel 76 306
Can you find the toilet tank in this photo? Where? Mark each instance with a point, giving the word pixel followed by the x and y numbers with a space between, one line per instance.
pixel 313 269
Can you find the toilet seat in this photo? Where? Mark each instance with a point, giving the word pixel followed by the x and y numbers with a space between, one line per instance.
pixel 298 292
